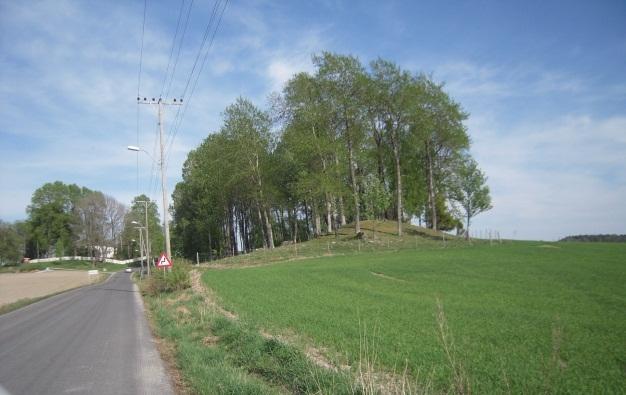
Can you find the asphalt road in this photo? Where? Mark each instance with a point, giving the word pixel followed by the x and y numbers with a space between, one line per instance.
pixel 92 340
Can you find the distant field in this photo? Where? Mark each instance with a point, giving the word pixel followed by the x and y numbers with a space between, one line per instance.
pixel 25 287
pixel 523 317
pixel 74 265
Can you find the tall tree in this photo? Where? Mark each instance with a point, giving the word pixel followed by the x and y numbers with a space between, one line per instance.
pixel 470 190
pixel 342 79
pixel 438 133
pixel 90 224
pixel 50 219
pixel 392 101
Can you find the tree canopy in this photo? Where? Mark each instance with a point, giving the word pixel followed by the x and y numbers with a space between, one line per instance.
pixel 332 148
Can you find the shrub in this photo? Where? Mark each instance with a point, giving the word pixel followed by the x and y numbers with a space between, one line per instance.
pixel 169 280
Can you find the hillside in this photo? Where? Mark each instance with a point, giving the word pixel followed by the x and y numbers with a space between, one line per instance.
pixel 379 236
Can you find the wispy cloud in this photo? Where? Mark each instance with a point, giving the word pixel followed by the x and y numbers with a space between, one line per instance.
pixel 560 177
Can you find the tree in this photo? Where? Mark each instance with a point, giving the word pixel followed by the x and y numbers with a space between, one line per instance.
pixel 50 219
pixel 129 235
pixel 90 224
pixel 377 198
pixel 392 101
pixel 12 239
pixel 439 135
pixel 470 190
pixel 114 213
pixel 342 80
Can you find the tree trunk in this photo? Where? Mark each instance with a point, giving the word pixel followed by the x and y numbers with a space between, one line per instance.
pixel 329 213
pixel 261 224
pixel 355 191
pixel 431 188
pixel 342 212
pixel 268 230
pixel 306 218
pixel 318 223
pixel 396 154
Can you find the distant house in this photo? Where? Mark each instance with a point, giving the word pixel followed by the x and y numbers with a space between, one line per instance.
pixel 104 251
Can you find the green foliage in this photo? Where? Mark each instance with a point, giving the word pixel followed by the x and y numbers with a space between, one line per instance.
pixel 524 317
pixel 470 189
pixel 376 197
pixel 163 281
pixel 50 218
pixel 335 129
pixel 130 235
pixel 12 239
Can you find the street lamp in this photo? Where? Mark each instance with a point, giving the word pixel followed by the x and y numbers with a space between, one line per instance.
pixel 147 242
pixel 166 225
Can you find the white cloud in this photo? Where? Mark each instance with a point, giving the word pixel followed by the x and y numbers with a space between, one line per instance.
pixel 548 180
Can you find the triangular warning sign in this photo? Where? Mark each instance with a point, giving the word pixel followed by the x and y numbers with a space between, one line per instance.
pixel 164 261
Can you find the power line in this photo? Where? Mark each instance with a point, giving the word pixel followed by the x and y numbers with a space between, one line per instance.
pixel 169 60
pixel 207 30
pixel 143 29
pixel 206 54
pixel 182 39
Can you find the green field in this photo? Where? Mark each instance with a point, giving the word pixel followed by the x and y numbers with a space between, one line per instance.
pixel 521 316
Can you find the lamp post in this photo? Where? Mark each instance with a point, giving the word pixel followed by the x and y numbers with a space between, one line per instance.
pixel 141 255
pixel 166 224
pixel 146 244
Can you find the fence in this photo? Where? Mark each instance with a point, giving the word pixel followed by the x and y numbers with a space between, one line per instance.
pixel 86 258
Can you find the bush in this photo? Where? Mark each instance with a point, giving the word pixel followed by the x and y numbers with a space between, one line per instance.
pixel 169 280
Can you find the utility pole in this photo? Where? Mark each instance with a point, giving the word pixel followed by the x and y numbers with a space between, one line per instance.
pixel 140 251
pixel 145 202
pixel 160 103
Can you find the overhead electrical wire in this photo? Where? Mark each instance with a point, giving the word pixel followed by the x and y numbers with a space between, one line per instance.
pixel 143 29
pixel 207 30
pixel 197 77
pixel 169 60
pixel 180 45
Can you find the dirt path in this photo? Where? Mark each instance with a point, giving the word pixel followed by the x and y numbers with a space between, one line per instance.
pixel 16 286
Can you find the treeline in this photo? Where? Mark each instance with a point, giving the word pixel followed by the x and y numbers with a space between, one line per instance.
pixel 68 220
pixel 339 145
pixel 597 238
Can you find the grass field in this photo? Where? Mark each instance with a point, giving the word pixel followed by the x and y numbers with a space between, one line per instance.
pixel 74 265
pixel 515 317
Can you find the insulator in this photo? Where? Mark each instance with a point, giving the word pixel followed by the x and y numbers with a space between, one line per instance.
pixel 153 99
pixel 181 100
pixel 139 98
pixel 144 99
pixel 174 100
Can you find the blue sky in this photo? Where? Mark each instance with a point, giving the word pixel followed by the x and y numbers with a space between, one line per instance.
pixel 544 83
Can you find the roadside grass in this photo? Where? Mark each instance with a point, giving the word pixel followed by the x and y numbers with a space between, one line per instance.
pixel 73 265
pixel 217 355
pixel 516 317
pixel 7 308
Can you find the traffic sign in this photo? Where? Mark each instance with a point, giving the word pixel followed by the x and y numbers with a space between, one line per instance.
pixel 164 261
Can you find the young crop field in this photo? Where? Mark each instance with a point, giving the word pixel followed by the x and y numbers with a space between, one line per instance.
pixel 514 317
